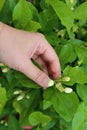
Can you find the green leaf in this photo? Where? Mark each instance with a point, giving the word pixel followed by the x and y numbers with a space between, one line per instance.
pixel 81 53
pixel 34 11
pixel 46 104
pixel 52 110
pixel 25 106
pixel 67 54
pixel 22 17
pixel 25 103
pixel 48 23
pixel 82 92
pixel 63 12
pixel 25 81
pixel 65 125
pixel 2 127
pixel 80 118
pixel 1 4
pixel 32 26
pixel 38 117
pixel 77 75
pixel 76 42
pixel 82 9
pixel 6 13
pixel 3 98
pixel 12 4
pixel 43 4
pixel 22 11
pixel 48 94
pixel 52 38
pixel 49 125
pixel 64 104
pixel 13 123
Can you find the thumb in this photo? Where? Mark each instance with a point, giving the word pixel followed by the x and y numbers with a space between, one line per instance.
pixel 34 73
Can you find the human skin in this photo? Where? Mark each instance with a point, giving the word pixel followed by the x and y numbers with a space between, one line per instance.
pixel 18 48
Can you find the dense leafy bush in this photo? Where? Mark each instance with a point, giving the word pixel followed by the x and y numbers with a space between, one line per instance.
pixel 64 24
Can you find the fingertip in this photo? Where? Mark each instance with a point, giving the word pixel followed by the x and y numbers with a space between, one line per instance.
pixel 37 75
pixel 45 82
pixel 57 74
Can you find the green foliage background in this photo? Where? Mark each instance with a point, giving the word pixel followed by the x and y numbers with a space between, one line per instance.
pixel 64 24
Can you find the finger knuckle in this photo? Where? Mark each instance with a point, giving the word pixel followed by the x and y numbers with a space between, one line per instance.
pixel 40 76
pixel 40 35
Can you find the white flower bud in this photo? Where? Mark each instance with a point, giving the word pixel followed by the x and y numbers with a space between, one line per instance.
pixel 1 64
pixel 68 90
pixel 80 62
pixel 20 97
pixel 2 122
pixel 4 70
pixel 6 124
pixel 60 87
pixel 17 92
pixel 72 8
pixel 50 83
pixel 71 1
pixel 66 79
pixel 27 97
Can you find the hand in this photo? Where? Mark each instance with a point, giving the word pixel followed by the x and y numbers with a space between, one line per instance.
pixel 17 48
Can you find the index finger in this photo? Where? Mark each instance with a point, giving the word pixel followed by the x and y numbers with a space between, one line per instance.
pixel 50 56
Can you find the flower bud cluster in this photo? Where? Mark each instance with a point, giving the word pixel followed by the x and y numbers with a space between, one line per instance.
pixel 59 86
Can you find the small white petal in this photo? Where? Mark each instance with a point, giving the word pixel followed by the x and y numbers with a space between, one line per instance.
pixel 51 83
pixel 68 90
